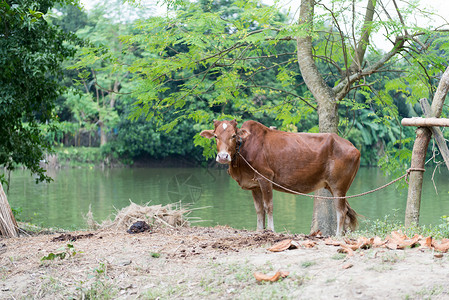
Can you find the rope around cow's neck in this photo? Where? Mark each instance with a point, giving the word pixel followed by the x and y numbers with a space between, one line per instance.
pixel 326 197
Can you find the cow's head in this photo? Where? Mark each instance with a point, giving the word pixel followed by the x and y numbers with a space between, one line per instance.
pixel 227 136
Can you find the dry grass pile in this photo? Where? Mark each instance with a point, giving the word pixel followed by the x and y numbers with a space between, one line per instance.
pixel 171 215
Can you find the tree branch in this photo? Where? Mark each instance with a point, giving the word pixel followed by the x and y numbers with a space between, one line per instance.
pixel 341 89
pixel 364 38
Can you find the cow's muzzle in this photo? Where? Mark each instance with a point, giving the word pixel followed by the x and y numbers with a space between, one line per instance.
pixel 223 157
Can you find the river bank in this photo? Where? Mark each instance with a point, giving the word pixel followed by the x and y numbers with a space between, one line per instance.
pixel 210 262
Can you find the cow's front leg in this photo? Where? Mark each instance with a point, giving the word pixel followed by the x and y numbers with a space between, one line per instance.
pixel 258 204
pixel 267 196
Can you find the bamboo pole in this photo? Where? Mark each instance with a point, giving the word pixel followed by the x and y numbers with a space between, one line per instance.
pixel 8 224
pixel 425 122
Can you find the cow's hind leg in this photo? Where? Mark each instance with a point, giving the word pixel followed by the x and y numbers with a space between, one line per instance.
pixel 341 209
pixel 258 204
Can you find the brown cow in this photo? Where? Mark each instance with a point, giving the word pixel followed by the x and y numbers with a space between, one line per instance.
pixel 302 162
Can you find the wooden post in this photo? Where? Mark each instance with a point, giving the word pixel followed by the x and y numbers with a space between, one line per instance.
pixel 423 135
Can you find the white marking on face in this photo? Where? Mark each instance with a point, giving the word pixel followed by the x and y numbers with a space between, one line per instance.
pixel 225 126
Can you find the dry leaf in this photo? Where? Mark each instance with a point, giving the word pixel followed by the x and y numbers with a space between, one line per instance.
pixel 308 244
pixel 427 242
pixel 295 245
pixel 365 243
pixel 378 242
pixel 409 242
pixel 347 266
pixel 263 277
pixel 317 233
pixel 438 255
pixel 282 245
pixel 346 249
pixel 331 242
pixel 391 245
pixel 442 247
pixel 398 235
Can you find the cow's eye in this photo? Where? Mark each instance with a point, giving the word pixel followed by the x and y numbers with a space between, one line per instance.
pixel 215 136
pixel 234 135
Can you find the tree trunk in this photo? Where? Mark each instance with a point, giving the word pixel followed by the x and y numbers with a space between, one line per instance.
pixel 103 136
pixel 324 214
pixel 8 224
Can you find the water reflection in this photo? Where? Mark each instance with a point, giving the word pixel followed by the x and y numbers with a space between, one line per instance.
pixel 63 202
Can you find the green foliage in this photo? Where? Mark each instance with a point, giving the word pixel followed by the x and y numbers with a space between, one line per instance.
pixel 67 251
pixel 16 211
pixel 80 155
pixel 173 74
pixel 31 56
pixel 142 139
pixel 215 60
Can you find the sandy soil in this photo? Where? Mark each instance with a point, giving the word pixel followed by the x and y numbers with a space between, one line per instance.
pixel 211 263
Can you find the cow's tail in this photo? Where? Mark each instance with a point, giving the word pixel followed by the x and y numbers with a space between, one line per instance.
pixel 351 217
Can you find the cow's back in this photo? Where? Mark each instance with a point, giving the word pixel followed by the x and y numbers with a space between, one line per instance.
pixel 301 161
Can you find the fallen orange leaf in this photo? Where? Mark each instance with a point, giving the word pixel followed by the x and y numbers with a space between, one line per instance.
pixel 442 247
pixel 350 242
pixel 308 244
pixel 409 242
pixel 352 247
pixel 346 249
pixel 263 277
pixel 391 245
pixel 317 233
pixel 347 266
pixel 427 242
pixel 332 242
pixel 282 245
pixel 398 235
pixel 377 242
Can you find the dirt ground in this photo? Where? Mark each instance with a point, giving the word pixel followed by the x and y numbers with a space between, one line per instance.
pixel 210 263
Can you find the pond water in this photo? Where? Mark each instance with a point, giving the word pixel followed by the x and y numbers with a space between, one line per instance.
pixel 63 202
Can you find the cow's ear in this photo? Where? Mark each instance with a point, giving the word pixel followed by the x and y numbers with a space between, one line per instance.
pixel 207 134
pixel 243 133
pixel 233 123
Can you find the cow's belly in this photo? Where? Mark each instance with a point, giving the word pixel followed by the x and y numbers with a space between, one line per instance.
pixel 301 187
pixel 301 180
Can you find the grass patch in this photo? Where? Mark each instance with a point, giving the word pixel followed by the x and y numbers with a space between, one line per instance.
pixel 339 256
pixel 307 264
pixel 383 227
pixel 100 285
